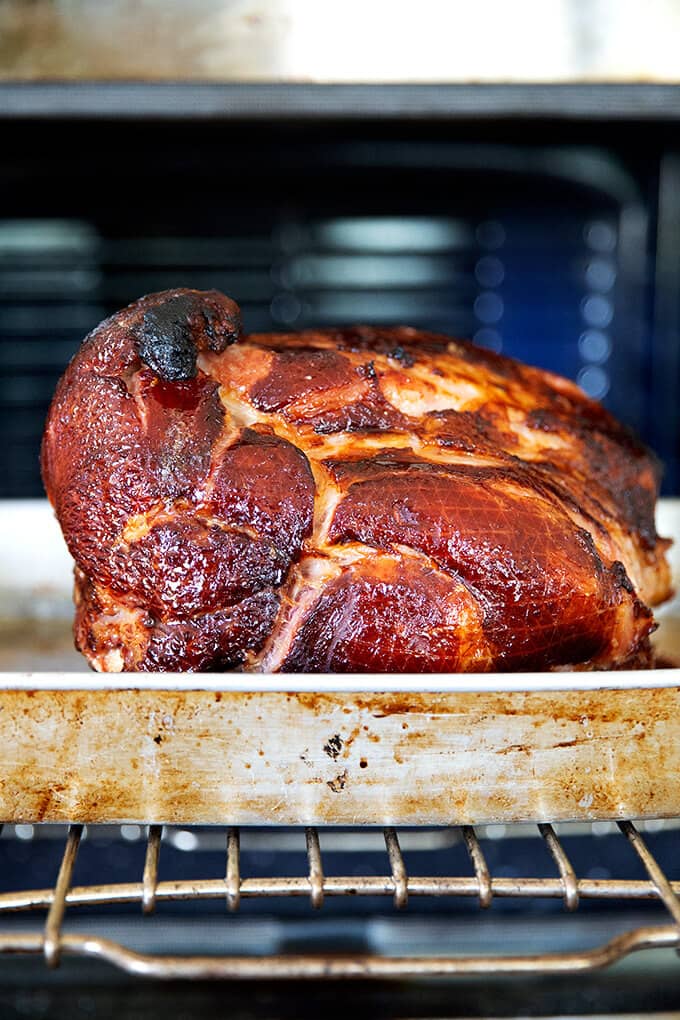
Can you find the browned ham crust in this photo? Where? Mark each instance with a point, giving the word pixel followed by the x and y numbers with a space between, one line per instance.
pixel 346 500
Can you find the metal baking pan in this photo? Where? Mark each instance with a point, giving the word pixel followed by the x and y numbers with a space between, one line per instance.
pixel 377 749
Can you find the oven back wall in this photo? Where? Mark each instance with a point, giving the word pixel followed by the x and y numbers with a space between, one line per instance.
pixel 536 241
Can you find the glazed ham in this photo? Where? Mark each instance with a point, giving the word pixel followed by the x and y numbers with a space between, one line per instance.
pixel 351 500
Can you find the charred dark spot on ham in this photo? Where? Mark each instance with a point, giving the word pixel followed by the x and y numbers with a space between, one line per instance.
pixel 403 356
pixel 367 371
pixel 173 331
pixel 165 340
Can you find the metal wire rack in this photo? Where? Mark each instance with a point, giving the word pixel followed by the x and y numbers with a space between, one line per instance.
pixel 52 942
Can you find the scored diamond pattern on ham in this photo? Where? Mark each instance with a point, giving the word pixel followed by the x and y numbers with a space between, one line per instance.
pixel 343 500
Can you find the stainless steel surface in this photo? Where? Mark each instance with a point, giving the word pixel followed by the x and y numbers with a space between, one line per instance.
pixel 399 876
pixel 256 102
pixel 295 967
pixel 566 871
pixel 661 883
pixel 150 878
pixel 54 942
pixel 479 863
pixel 55 915
pixel 315 868
pixel 233 878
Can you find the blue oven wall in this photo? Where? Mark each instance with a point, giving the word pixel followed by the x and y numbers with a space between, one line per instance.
pixel 546 252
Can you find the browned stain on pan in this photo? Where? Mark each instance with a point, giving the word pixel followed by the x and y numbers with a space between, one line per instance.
pixel 169 756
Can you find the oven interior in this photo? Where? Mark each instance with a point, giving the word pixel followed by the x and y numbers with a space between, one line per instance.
pixel 552 240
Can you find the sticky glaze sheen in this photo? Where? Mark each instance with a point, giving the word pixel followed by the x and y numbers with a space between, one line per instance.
pixel 352 500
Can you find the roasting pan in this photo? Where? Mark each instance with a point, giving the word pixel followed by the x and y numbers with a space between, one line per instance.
pixel 372 749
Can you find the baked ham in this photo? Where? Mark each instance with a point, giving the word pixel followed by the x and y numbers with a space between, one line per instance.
pixel 358 499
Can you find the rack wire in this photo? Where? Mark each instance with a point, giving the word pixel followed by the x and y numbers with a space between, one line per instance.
pixel 53 942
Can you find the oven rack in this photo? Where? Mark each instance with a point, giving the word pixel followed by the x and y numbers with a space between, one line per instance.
pixel 53 943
